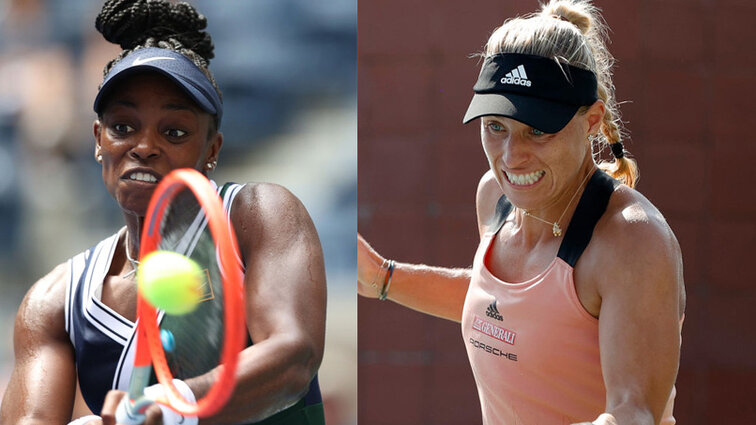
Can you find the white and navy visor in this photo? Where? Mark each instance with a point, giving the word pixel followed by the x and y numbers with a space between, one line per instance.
pixel 534 90
pixel 173 65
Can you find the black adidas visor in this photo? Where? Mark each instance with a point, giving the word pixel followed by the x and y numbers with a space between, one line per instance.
pixel 534 90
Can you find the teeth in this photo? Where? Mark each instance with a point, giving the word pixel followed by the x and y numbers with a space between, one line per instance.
pixel 525 179
pixel 143 177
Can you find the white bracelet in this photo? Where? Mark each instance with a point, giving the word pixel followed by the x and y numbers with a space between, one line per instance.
pixel 605 419
pixel 84 420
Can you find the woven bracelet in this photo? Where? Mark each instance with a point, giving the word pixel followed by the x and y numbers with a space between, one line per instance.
pixel 387 281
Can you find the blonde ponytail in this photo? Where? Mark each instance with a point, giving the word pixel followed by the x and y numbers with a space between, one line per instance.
pixel 623 168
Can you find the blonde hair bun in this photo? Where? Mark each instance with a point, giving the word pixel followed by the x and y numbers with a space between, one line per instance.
pixel 577 12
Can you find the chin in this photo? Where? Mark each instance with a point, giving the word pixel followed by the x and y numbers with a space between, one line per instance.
pixel 139 212
pixel 133 206
pixel 518 200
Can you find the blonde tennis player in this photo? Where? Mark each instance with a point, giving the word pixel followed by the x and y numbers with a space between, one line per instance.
pixel 572 310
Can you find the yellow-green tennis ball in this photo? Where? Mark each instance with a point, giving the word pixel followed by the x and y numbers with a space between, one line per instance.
pixel 170 282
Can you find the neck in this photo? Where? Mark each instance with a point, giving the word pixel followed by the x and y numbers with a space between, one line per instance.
pixel 134 226
pixel 542 223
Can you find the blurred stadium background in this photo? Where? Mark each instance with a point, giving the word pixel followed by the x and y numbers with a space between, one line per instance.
pixel 287 69
pixel 687 72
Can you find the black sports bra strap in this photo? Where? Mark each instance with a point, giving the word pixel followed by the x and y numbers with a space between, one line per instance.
pixel 503 208
pixel 590 208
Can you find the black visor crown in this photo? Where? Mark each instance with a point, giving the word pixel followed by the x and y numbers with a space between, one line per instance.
pixel 535 90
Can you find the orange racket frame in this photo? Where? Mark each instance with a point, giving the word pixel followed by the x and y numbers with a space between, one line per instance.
pixel 149 348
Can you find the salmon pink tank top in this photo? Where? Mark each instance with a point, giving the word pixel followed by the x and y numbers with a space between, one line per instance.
pixel 533 348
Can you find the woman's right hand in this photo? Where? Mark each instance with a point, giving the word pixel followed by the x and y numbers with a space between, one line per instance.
pixel 369 271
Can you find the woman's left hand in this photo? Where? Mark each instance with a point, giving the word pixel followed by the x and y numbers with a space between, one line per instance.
pixel 153 415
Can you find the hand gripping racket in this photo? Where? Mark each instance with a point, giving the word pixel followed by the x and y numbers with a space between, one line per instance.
pixel 150 349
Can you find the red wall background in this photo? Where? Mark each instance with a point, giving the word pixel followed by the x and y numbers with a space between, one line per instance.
pixel 688 72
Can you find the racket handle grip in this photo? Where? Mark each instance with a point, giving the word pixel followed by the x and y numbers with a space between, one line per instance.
pixel 131 413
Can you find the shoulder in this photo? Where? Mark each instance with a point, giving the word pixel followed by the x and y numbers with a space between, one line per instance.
pixel 633 249
pixel 486 198
pixel 632 224
pixel 49 291
pixel 42 310
pixel 264 203
pixel 264 214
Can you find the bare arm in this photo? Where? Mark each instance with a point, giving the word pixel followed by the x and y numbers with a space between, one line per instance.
pixel 438 291
pixel 42 385
pixel 642 301
pixel 286 304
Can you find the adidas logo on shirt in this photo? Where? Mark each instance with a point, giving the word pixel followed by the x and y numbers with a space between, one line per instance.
pixel 516 76
pixel 493 312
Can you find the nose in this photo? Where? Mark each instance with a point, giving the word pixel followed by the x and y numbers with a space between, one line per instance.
pixel 514 151
pixel 146 147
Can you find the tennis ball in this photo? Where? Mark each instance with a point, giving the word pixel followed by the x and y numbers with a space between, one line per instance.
pixel 170 282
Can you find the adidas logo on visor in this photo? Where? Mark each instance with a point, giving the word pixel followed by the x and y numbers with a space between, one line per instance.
pixel 517 77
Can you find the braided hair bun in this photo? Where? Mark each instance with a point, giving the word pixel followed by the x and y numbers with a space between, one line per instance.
pixel 159 23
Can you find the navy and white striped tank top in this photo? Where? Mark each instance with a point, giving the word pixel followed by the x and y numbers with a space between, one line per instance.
pixel 103 340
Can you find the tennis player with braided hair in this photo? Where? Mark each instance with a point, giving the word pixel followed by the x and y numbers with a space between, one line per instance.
pixel 159 109
pixel 572 310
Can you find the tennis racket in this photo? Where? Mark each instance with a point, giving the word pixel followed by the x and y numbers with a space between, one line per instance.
pixel 182 208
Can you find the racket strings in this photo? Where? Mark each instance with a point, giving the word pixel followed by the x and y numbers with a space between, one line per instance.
pixel 197 336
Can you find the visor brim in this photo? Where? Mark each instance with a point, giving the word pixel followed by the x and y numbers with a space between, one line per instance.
pixel 545 115
pixel 196 95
